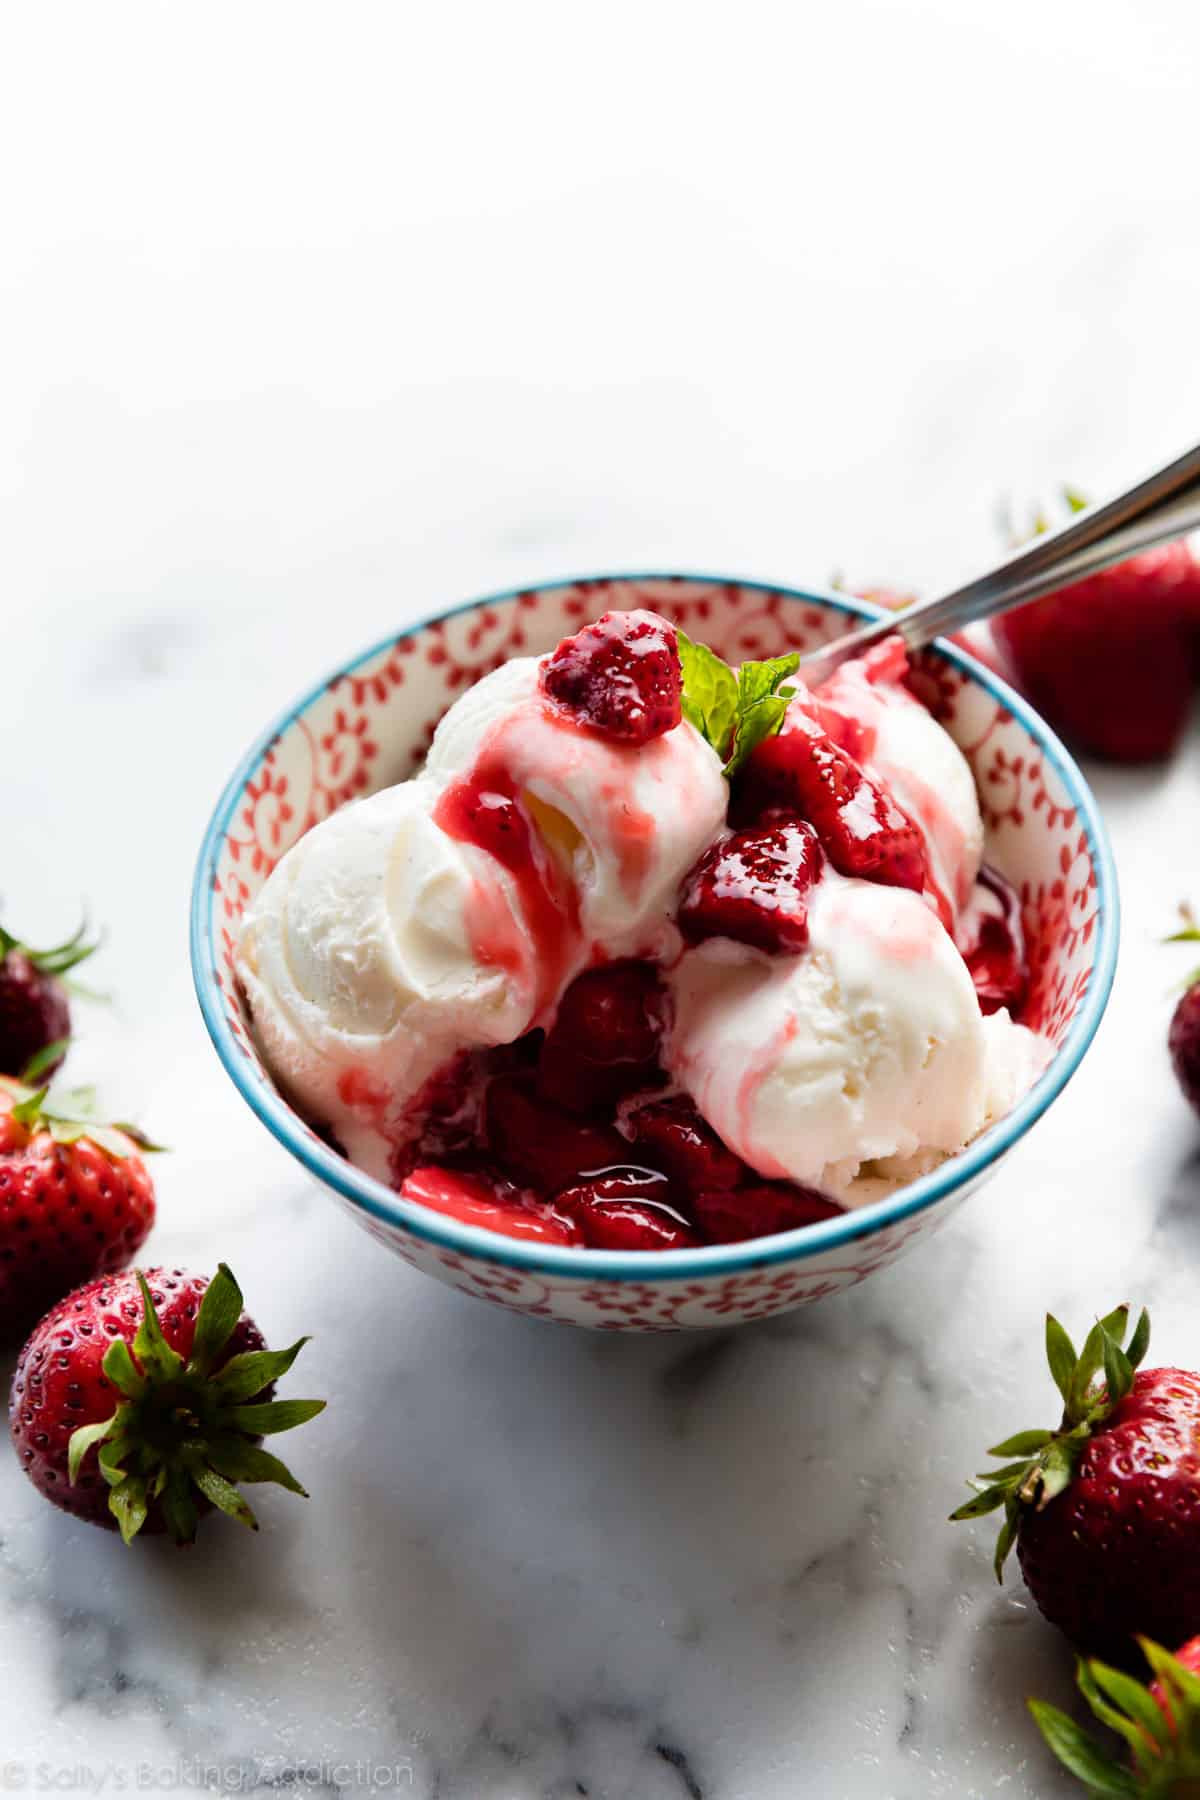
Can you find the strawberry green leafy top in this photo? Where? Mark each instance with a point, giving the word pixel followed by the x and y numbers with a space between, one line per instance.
pixel 1160 1725
pixel 1091 1383
pixel 184 1428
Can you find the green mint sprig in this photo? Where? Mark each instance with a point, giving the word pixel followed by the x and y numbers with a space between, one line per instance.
pixel 734 713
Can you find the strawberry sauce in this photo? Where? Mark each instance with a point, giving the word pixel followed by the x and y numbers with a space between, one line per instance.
pixel 484 808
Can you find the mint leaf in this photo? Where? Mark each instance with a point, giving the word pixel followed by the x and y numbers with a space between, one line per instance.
pixel 733 713
pixel 760 705
pixel 709 693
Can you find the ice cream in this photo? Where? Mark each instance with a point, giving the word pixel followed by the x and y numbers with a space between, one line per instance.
pixel 386 942
pixel 868 1046
pixel 625 822
pixel 360 970
pixel 573 981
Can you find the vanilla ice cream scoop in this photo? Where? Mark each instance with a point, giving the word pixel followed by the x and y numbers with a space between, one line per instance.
pixel 359 963
pixel 869 1045
pixel 626 822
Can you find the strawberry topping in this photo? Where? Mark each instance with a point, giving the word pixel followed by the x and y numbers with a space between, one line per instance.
pixel 804 773
pixel 627 1209
pixel 728 1215
pixel 620 676
pixel 754 887
pixel 604 1041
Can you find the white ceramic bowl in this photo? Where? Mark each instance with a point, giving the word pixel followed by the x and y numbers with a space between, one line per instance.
pixel 369 723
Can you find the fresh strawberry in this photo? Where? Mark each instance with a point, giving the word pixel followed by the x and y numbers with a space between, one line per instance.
pixel 804 773
pixel 1160 1725
pixel 729 1215
pixel 1105 1510
pixel 76 1200
pixel 35 1019
pixel 604 1040
pixel 754 886
pixel 627 1209
pixel 671 1135
pixel 621 676
pixel 1111 660
pixel 141 1399
pixel 537 1144
pixel 1183 1039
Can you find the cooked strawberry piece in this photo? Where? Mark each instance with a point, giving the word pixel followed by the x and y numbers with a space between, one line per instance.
pixel 861 829
pixel 995 949
pixel 475 1198
pixel 627 1209
pixel 754 887
pixel 539 1144
pixel 620 676
pixel 1111 660
pixel 672 1136
pixel 727 1215
pixel 604 1041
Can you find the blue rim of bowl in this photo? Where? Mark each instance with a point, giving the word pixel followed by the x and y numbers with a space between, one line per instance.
pixel 439 1230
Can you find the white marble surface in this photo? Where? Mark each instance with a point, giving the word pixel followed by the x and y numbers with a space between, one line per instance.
pixel 317 317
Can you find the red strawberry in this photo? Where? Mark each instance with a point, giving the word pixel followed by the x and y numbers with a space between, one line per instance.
pixel 1183 1041
pixel 803 772
pixel 627 1209
pixel 537 1144
pixel 729 1215
pixel 1105 1510
pixel 754 886
pixel 35 1020
pixel 76 1200
pixel 140 1401
pixel 1164 1744
pixel 621 676
pixel 1111 660
pixel 604 1040
pixel 672 1136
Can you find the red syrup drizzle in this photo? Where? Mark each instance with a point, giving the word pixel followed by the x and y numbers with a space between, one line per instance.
pixel 993 945
pixel 484 809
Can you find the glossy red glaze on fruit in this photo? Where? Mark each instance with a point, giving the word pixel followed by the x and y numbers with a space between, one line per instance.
pixel 33 1014
pixel 729 1215
pixel 620 676
pixel 1118 1551
pixel 540 1145
pixel 1183 1042
pixel 58 1382
pixel 1111 661
pixel 627 1209
pixel 671 1135
pixel 803 772
pixel 67 1212
pixel 604 1041
pixel 475 1199
pixel 754 887
pixel 994 948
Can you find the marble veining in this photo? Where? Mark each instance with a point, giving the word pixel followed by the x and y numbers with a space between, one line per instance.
pixel 269 393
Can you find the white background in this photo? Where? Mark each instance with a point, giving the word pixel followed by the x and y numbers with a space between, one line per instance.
pixel 313 319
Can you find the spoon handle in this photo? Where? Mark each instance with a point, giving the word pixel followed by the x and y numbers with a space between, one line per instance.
pixel 1166 504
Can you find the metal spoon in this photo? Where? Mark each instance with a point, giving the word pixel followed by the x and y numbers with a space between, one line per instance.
pixel 1166 504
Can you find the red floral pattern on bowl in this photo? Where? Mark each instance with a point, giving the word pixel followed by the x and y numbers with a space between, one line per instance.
pixel 371 724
